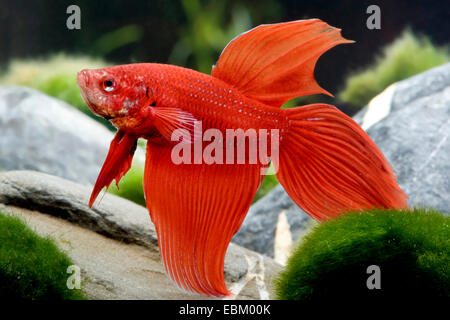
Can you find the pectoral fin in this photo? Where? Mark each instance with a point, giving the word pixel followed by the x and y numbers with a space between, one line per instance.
pixel 168 119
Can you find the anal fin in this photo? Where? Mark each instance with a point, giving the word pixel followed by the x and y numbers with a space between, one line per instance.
pixel 196 209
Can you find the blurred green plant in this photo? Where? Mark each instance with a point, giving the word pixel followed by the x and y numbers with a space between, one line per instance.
pixel 116 39
pixel 55 76
pixel 207 33
pixel 412 249
pixel 269 182
pixel 32 267
pixel 405 57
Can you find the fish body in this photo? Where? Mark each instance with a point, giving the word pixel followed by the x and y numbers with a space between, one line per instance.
pixel 216 103
pixel 324 160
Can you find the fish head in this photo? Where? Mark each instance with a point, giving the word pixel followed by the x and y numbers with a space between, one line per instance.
pixel 115 94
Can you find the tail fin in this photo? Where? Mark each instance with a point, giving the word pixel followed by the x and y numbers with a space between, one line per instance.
pixel 274 63
pixel 329 165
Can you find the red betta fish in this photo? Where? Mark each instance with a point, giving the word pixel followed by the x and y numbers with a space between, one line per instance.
pixel 327 164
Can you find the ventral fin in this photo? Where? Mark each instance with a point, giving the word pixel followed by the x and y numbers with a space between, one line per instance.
pixel 168 119
pixel 274 63
pixel 117 162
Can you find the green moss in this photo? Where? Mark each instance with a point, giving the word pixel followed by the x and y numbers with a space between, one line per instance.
pixel 55 76
pixel 405 57
pixel 31 267
pixel 412 250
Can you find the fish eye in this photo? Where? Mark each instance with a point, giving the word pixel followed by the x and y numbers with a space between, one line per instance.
pixel 109 85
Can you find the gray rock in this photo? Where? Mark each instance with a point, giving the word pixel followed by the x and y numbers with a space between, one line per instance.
pixel 112 216
pixel 44 134
pixel 427 84
pixel 258 230
pixel 115 243
pixel 414 137
pixel 359 116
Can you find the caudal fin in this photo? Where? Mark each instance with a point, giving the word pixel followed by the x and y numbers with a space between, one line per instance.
pixel 329 165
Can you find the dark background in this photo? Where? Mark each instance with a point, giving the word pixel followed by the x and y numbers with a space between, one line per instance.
pixel 37 28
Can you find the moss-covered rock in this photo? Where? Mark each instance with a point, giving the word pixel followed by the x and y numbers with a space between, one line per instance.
pixel 31 267
pixel 412 250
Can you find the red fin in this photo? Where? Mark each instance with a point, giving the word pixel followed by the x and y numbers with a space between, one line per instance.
pixel 329 165
pixel 169 119
pixel 117 162
pixel 196 210
pixel 275 63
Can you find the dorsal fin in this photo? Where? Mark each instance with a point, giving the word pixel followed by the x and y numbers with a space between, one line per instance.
pixel 274 63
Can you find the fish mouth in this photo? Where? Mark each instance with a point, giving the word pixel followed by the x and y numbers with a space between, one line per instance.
pixel 98 111
pixel 94 108
pixel 83 79
pixel 104 115
pixel 109 117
